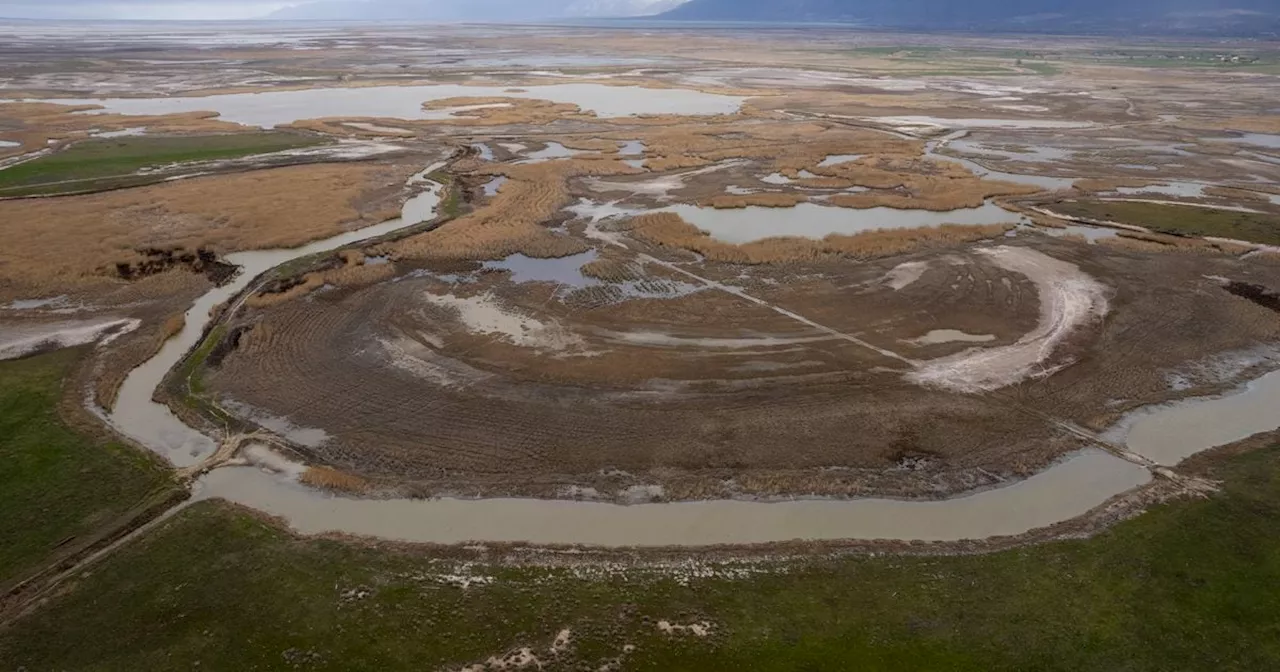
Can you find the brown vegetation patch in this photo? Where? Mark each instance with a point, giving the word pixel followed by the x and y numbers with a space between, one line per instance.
pixel 1236 194
pixel 1142 241
pixel 512 220
pixel 84 238
pixel 328 478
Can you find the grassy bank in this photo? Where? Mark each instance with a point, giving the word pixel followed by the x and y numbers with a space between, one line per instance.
pixel 1179 219
pixel 1193 585
pixel 56 487
pixel 109 163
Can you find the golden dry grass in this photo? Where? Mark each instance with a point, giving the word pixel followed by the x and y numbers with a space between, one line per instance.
pixel 328 478
pixel 81 238
pixel 1141 241
pixel 1236 194
pixel 612 270
pixel 666 229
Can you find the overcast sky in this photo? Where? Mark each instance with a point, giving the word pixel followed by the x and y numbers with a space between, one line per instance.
pixel 138 9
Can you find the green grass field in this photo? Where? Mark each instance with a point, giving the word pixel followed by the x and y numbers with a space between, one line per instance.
pixel 57 487
pixel 1180 219
pixel 1191 585
pixel 110 163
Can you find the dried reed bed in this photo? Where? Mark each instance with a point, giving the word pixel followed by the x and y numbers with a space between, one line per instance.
pixel 83 237
pixel 1237 194
pixel 1141 241
pixel 1249 124
pixel 764 200
pixel 328 478
pixel 666 229
pixel 612 270
pixel 310 281
pixel 353 272
pixel 789 145
pixel 511 221
pixel 676 162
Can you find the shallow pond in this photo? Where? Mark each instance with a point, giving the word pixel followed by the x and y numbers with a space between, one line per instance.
pixel 1183 189
pixel 553 150
pixel 492 186
pixel 631 148
pixel 1033 153
pixel 563 270
pixel 834 159
pixel 744 225
pixel 1091 234
pixel 271 108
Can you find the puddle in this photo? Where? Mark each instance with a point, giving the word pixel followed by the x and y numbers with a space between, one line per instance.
pixel 553 150
pixel 271 108
pixel 1184 189
pixel 1257 139
pixel 486 152
pixel 310 437
pixel 635 163
pixel 1032 154
pixel 153 424
pixel 23 339
pixel 834 159
pixel 1137 166
pixel 59 301
pixel 492 186
pixel 1068 489
pixel 513 147
pixel 744 225
pixel 951 336
pixel 123 133
pixel 564 270
pixel 1170 433
pixel 375 128
pixel 1091 234
pixel 631 147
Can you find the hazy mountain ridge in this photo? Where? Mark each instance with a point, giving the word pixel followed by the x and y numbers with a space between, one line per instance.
pixel 1192 16
pixel 471 10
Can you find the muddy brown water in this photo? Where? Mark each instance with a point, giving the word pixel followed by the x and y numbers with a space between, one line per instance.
pixel 152 424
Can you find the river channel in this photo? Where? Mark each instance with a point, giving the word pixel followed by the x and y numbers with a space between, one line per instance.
pixel 1069 488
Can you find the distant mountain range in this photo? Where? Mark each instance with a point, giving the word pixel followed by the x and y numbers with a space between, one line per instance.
pixel 489 11
pixel 1201 17
pixel 1251 17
